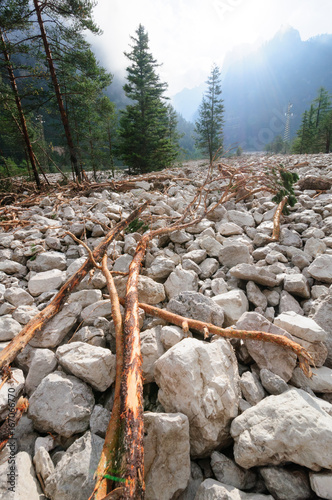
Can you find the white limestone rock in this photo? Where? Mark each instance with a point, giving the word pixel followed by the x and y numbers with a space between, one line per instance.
pixel 211 245
pixel 100 308
pixel 228 472
pixel 160 268
pixel 73 475
pixel 255 296
pixel 321 380
pixel 94 365
pixel 200 380
pixel 275 358
pixel 151 349
pixel 56 392
pixel 289 303
pixel 321 268
pixel 43 463
pixel 85 297
pixel 24 481
pixel 321 483
pixel 149 291
pixel 13 267
pixel 228 229
pixel 99 420
pixel 297 284
pixel 240 218
pixel 180 279
pixel 323 317
pixel 234 254
pixel 197 306
pixel 286 484
pixel 18 297
pixel 251 388
pixel 314 247
pixel 171 335
pixel 48 260
pixel 233 303
pixel 291 427
pixel 166 455
pixel 259 275
pixel 214 490
pixel 43 362
pixel 46 281
pixel 53 333
pixel 9 327
pixel 272 383
pixel 303 327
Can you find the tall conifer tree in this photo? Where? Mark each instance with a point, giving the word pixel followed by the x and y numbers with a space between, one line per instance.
pixel 145 144
pixel 208 127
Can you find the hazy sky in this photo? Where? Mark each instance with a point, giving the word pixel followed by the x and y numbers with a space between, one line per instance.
pixel 188 36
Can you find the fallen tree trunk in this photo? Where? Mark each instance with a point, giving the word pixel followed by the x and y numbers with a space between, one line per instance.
pixel 35 325
pixel 276 219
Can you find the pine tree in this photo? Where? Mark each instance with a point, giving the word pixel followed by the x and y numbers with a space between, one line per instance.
pixel 144 143
pixel 208 127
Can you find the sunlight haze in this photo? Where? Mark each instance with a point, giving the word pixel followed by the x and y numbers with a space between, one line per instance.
pixel 188 36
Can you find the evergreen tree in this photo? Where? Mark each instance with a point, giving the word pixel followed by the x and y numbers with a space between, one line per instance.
pixel 315 133
pixel 145 143
pixel 208 127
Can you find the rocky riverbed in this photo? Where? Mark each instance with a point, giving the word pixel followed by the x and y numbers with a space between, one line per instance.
pixel 224 419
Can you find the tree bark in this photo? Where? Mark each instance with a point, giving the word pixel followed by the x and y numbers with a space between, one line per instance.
pixel 64 118
pixel 18 343
pixel 24 129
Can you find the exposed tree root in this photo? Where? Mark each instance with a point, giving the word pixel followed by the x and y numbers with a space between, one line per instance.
pixel 205 328
pixel 36 324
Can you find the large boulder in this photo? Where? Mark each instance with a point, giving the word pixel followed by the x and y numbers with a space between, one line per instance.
pixel 291 427
pixel 201 380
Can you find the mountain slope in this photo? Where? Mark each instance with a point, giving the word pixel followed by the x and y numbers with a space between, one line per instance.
pixel 258 87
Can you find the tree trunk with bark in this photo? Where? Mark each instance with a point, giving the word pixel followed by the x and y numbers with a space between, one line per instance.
pixel 64 118
pixel 24 128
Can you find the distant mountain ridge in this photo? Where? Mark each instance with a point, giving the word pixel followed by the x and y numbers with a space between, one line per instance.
pixel 258 87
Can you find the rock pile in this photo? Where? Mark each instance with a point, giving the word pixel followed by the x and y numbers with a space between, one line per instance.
pixel 224 419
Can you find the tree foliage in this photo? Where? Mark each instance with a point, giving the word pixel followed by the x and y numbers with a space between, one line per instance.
pixel 315 133
pixel 147 140
pixel 208 127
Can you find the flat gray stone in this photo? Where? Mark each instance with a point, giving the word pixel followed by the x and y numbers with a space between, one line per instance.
pixel 301 326
pixel 321 268
pixel 194 305
pixel 259 275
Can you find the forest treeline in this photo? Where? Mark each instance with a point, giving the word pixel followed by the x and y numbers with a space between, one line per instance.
pixel 55 113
